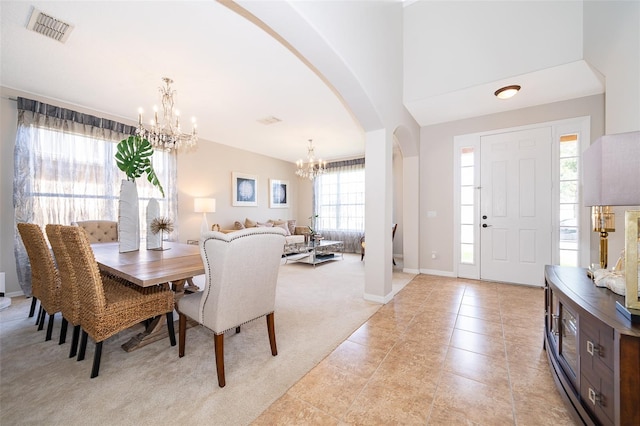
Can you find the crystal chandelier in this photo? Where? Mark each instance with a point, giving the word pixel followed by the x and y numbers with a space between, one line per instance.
pixel 167 135
pixel 312 168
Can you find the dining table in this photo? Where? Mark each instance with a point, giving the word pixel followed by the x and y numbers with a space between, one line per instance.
pixel 172 266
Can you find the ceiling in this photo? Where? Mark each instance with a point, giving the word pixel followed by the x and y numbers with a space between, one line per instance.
pixel 227 72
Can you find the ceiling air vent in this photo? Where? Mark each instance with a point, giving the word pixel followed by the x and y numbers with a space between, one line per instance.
pixel 49 26
pixel 269 120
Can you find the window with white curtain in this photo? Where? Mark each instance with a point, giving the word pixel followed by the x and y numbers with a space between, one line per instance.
pixel 65 171
pixel 339 202
pixel 74 177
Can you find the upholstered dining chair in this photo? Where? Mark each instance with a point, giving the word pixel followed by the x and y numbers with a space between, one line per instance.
pixel 69 294
pixel 99 231
pixel 363 244
pixel 110 305
pixel 45 281
pixel 241 273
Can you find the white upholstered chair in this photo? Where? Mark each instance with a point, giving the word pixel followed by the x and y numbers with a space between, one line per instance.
pixel 241 272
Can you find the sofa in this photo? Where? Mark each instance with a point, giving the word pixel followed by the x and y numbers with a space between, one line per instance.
pixel 294 234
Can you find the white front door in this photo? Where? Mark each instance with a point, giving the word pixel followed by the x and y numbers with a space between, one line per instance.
pixel 515 206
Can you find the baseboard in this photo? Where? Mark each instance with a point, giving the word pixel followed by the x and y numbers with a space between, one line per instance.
pixel 411 271
pixel 436 272
pixel 14 294
pixel 378 299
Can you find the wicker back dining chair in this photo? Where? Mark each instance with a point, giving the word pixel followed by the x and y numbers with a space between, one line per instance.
pixel 241 272
pixel 70 299
pixel 45 281
pixel 109 305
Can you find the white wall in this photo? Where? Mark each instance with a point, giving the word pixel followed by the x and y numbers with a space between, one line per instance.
pixel 612 45
pixel 514 37
pixel 8 120
pixel 207 172
pixel 368 36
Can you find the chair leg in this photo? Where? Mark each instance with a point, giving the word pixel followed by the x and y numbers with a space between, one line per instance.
pixel 361 256
pixel 170 329
pixel 49 327
pixel 182 331
pixel 271 329
pixel 96 360
pixel 83 345
pixel 34 301
pixel 63 331
pixel 394 261
pixel 40 321
pixel 74 341
pixel 218 343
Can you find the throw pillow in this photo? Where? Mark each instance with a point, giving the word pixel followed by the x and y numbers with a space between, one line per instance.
pixel 264 224
pixel 238 225
pixel 283 226
pixel 248 223
pixel 291 224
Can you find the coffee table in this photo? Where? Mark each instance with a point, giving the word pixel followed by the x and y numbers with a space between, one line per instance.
pixel 315 252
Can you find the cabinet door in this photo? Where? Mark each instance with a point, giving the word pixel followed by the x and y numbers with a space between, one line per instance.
pixel 553 319
pixel 598 398
pixel 568 346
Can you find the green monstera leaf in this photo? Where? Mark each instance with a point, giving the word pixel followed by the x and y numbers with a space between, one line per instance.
pixel 134 159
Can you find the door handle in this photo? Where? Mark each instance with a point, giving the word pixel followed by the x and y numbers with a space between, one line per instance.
pixel 484 225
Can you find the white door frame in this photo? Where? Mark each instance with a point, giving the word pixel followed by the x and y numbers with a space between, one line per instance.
pixel 578 125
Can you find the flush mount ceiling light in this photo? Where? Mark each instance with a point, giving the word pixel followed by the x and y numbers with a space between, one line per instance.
pixel 507 91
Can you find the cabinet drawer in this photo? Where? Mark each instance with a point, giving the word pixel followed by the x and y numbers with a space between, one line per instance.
pixel 597 398
pixel 596 340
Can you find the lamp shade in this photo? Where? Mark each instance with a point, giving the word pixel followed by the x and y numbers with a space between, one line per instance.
pixel 611 171
pixel 204 205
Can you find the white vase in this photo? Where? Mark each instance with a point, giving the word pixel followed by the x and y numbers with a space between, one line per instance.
pixel 154 241
pixel 128 217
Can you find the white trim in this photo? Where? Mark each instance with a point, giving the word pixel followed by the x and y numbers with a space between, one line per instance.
pixel 582 127
pixel 378 299
pixel 411 271
pixel 437 272
pixel 459 269
pixel 14 294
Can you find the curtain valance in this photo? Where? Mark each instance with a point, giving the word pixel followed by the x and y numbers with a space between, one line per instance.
pixel 39 114
pixel 345 163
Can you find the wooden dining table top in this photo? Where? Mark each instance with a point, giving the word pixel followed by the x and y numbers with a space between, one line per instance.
pixel 146 268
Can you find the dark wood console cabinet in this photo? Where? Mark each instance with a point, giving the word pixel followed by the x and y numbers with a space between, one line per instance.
pixel 593 351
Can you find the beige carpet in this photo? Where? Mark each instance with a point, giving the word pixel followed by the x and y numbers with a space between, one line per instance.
pixel 316 309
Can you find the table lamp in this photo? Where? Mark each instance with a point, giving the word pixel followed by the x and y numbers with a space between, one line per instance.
pixel 204 206
pixel 611 177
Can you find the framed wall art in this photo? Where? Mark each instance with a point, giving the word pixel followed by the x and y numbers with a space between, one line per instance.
pixel 244 189
pixel 278 193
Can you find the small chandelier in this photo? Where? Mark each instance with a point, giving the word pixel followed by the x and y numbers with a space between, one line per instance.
pixel 311 169
pixel 167 135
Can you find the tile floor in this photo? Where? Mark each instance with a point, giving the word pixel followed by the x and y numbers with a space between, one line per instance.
pixel 444 351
